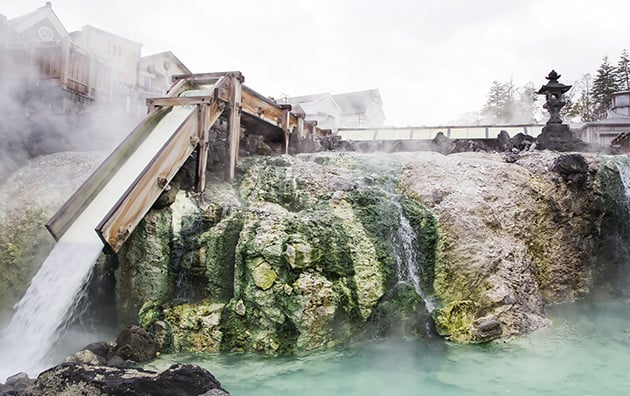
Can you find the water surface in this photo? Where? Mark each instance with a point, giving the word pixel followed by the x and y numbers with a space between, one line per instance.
pixel 585 352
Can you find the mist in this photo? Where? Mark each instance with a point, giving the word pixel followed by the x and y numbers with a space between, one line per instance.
pixel 39 117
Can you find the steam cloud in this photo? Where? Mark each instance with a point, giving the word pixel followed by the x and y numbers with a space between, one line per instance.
pixel 37 117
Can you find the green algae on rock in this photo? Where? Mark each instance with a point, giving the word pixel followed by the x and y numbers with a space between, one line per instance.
pixel 308 256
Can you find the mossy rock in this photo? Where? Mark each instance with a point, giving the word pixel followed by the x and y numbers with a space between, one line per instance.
pixel 217 252
pixel 455 320
pixel 190 327
pixel 145 273
pixel 24 245
pixel 401 313
pixel 245 328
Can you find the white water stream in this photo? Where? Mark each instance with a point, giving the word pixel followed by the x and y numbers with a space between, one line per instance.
pixel 34 329
pixel 407 260
pixel 624 172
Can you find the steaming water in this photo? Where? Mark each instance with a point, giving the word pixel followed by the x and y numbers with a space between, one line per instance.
pixel 585 352
pixel 407 260
pixel 39 316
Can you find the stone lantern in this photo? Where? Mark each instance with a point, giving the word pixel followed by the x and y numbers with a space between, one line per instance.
pixel 553 92
pixel 556 135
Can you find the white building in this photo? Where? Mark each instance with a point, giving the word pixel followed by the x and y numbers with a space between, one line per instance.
pixel 617 121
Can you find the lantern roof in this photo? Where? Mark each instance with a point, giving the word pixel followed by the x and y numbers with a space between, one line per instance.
pixel 553 85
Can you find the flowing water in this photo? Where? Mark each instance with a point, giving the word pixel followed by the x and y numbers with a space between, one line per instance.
pixel 585 352
pixel 41 314
pixel 624 172
pixel 407 260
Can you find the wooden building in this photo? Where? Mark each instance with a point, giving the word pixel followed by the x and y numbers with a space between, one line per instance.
pixel 36 50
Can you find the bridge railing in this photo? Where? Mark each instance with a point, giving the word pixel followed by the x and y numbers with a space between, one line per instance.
pixel 429 132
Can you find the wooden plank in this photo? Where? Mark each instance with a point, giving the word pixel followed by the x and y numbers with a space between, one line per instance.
pixel 205 78
pixel 180 100
pixel 222 89
pixel 208 116
pixel 260 107
pixel 234 127
pixel 286 114
pixel 124 217
pixel 65 63
pixel 176 88
pixel 202 155
pixel 65 216
pixel 300 128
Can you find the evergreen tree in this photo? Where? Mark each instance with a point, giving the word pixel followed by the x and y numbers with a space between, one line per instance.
pixel 498 107
pixel 527 105
pixel 581 109
pixel 606 82
pixel 506 104
pixel 623 70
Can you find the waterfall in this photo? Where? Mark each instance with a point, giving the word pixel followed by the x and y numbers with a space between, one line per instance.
pixel 41 314
pixel 35 326
pixel 407 260
pixel 624 173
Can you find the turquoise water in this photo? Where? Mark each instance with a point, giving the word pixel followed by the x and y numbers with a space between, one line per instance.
pixel 585 352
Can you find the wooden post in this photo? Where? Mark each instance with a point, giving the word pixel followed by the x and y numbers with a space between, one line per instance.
pixel 91 75
pixel 233 127
pixel 204 146
pixel 300 128
pixel 286 113
pixel 64 71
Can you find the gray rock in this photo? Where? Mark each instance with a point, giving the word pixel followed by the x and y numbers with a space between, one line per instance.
pixel 135 343
pixel 81 379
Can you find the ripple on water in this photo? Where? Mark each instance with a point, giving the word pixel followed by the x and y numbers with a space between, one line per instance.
pixel 585 352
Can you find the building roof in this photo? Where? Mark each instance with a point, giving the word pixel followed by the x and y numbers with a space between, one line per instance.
pixel 23 22
pixel 357 102
pixel 168 55
pixel 85 30
pixel 323 103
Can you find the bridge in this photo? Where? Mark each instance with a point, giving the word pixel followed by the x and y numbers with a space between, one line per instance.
pixel 429 132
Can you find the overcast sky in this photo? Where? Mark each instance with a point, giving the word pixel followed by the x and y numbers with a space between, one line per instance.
pixel 431 60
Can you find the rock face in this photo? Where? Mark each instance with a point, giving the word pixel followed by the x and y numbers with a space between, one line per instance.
pixel 306 252
pixel 298 258
pixel 28 198
pixel 311 251
pixel 514 237
pixel 84 379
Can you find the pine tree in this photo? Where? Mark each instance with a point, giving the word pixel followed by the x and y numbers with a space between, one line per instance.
pixel 506 104
pixel 581 109
pixel 500 106
pixel 604 85
pixel 527 104
pixel 623 70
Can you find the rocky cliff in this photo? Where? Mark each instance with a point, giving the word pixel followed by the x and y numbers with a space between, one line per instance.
pixel 306 252
pixel 311 251
pixel 28 198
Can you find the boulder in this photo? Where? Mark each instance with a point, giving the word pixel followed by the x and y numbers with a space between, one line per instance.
pixel 573 169
pixel 136 344
pixel 16 385
pixel 504 143
pixel 82 379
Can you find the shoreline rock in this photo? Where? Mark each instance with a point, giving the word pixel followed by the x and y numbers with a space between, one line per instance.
pixel 88 379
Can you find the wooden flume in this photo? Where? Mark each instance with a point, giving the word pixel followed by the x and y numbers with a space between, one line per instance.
pixel 213 95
